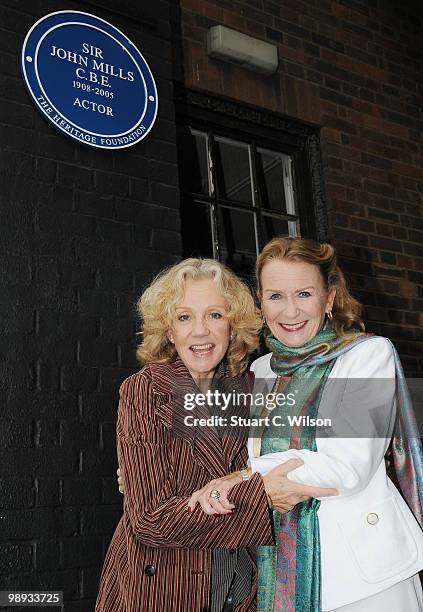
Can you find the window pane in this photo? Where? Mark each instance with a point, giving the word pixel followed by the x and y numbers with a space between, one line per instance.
pixel 272 227
pixel 270 178
pixel 192 158
pixel 232 167
pixel 237 239
pixel 196 229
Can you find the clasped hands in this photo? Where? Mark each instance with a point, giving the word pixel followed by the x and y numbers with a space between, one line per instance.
pixel 282 493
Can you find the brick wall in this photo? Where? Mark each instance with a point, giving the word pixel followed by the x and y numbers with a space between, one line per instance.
pixel 81 233
pixel 354 68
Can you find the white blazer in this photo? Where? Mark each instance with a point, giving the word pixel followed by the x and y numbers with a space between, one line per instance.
pixel 370 539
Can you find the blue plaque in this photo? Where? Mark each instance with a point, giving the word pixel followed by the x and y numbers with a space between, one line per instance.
pixel 89 80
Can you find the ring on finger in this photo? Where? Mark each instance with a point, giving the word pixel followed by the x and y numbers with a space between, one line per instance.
pixel 215 494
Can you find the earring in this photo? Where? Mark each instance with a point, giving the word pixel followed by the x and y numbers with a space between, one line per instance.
pixel 329 315
pixel 231 336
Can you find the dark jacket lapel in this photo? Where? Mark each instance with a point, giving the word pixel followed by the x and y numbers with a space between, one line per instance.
pixel 236 440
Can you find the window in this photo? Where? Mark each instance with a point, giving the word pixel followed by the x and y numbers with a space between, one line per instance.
pixel 241 185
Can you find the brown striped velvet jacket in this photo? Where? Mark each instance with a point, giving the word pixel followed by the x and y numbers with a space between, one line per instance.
pixel 159 559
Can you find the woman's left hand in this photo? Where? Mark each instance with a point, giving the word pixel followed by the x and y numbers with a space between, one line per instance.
pixel 213 505
pixel 120 481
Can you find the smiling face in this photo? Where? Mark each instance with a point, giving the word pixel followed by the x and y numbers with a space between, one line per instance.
pixel 200 329
pixel 294 300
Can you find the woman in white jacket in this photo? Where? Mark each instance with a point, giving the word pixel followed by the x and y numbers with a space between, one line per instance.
pixel 359 551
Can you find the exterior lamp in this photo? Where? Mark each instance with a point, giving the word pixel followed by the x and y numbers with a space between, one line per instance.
pixel 251 53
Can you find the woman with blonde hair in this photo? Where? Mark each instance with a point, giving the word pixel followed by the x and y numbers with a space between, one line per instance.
pixel 359 551
pixel 199 326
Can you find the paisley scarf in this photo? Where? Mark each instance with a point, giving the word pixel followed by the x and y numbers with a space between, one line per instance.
pixel 290 573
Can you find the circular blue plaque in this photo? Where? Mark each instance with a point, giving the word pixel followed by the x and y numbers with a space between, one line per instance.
pixel 89 80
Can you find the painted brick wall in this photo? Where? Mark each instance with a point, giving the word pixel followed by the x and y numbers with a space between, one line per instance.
pixel 355 68
pixel 81 233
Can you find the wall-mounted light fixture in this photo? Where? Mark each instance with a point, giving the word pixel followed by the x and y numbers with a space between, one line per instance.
pixel 232 46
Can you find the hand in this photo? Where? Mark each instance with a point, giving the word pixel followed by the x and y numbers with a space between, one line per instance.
pixel 211 505
pixel 120 482
pixel 285 494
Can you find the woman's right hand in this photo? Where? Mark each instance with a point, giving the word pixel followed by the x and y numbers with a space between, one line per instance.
pixel 284 494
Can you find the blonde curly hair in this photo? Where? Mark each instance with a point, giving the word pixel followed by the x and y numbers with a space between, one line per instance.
pixel 346 310
pixel 156 308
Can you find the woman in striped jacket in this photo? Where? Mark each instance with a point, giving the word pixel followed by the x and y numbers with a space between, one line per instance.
pixel 199 324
